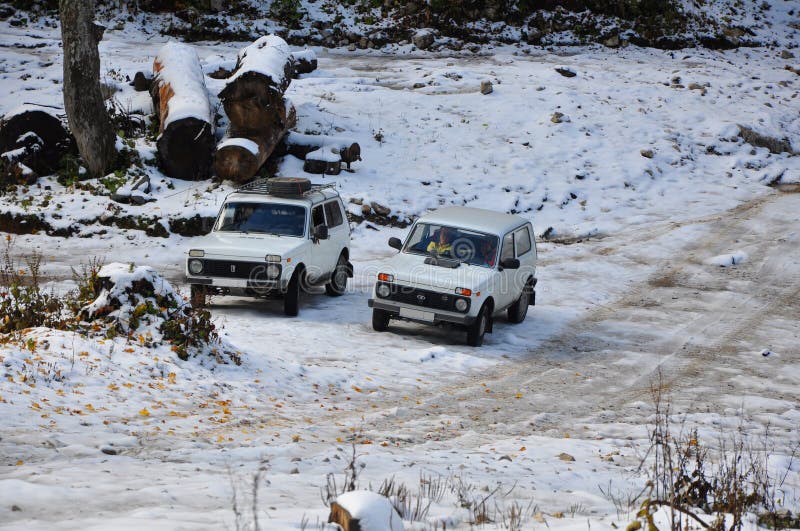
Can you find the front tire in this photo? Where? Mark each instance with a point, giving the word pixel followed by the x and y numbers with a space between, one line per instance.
pixel 380 320
pixel 338 284
pixel 477 329
pixel 518 310
pixel 291 299
pixel 198 296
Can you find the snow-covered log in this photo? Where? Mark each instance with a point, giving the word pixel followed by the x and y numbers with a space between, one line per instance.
pixel 255 89
pixel 186 140
pixel 239 158
pixel 301 145
pixel 35 137
pixel 305 62
pixel 364 511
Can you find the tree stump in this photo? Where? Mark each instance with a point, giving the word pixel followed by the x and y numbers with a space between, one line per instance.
pixel 305 62
pixel 35 138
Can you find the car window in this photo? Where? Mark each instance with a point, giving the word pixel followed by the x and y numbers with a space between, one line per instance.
pixel 265 218
pixel 522 241
pixel 466 246
pixel 333 213
pixel 317 216
pixel 508 247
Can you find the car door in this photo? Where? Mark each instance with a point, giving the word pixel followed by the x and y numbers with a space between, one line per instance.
pixel 525 252
pixel 338 231
pixel 321 262
pixel 504 292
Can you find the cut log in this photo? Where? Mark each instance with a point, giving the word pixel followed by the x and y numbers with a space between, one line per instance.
pixel 361 510
pixel 255 89
pixel 323 161
pixel 34 137
pixel 186 140
pixel 238 159
pixel 305 62
pixel 301 145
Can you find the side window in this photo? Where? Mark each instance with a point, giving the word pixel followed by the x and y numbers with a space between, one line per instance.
pixel 508 247
pixel 333 213
pixel 522 239
pixel 317 216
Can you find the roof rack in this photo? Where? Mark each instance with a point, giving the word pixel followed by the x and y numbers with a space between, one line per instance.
pixel 266 186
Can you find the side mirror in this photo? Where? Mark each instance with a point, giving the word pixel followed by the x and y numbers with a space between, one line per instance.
pixel 510 263
pixel 395 243
pixel 320 232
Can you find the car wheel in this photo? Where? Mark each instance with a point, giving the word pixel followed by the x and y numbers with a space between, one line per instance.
pixel 380 320
pixel 518 310
pixel 198 296
pixel 477 329
pixel 291 299
pixel 338 283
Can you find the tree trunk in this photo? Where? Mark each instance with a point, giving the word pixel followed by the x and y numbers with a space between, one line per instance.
pixel 186 140
pixel 238 159
pixel 36 138
pixel 301 145
pixel 86 112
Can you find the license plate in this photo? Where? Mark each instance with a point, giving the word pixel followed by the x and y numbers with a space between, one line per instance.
pixel 419 315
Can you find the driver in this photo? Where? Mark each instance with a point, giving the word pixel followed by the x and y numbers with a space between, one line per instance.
pixel 444 243
pixel 488 252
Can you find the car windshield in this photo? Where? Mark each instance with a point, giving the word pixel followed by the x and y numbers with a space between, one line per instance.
pixel 264 218
pixel 466 246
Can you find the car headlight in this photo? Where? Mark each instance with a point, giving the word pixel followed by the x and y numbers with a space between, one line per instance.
pixel 384 291
pixel 462 305
pixel 195 267
pixel 273 271
pixel 197 252
pixel 273 258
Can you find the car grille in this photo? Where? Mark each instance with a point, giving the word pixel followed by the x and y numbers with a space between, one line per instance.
pixel 423 297
pixel 229 268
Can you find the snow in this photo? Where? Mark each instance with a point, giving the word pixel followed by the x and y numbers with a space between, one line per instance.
pixel 244 143
pixel 325 154
pixel 624 291
pixel 178 66
pixel 307 54
pixel 267 56
pixel 373 511
pixel 727 260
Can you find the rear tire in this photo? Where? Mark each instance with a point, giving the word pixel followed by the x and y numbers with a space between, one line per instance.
pixel 518 310
pixel 477 330
pixel 291 299
pixel 380 320
pixel 338 284
pixel 198 296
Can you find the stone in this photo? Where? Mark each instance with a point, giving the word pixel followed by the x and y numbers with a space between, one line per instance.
pixel 611 42
pixel 786 54
pixel 366 210
pixel 363 42
pixel 423 38
pixel 566 457
pixel 486 87
pixel 380 209
pixel 108 450
pixel 646 153
pixel 559 117
pixel 566 72
pixel 351 47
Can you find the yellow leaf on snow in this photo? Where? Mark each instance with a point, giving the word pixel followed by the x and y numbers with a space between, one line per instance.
pixel 518 395
pixel 171 377
pixel 356 389
pixel 144 412
pixel 89 407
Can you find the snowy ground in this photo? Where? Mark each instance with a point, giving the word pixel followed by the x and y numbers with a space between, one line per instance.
pixel 633 285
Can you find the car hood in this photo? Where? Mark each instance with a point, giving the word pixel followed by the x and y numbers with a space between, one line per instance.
pixel 412 269
pixel 241 245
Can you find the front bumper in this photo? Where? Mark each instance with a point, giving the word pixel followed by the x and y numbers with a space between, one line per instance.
pixel 238 283
pixel 438 317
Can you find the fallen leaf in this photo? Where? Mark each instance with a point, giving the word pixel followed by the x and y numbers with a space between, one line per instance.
pixel 144 412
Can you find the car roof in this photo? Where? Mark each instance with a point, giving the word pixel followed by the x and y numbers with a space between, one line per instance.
pixel 313 197
pixel 477 219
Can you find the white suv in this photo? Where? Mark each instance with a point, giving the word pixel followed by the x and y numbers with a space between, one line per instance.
pixel 274 237
pixel 459 265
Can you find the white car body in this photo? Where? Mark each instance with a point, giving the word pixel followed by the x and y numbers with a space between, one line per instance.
pixel 236 262
pixel 423 291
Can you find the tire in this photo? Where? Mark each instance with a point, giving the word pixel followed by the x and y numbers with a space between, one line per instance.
pixel 518 310
pixel 338 284
pixel 380 320
pixel 198 296
pixel 477 330
pixel 289 186
pixel 291 299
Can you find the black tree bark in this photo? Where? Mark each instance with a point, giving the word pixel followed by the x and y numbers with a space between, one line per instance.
pixel 86 111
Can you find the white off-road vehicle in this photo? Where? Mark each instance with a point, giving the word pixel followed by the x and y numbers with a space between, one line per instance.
pixel 459 265
pixel 274 237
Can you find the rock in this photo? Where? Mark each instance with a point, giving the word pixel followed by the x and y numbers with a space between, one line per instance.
pixel 363 42
pixel 646 153
pixel 486 87
pixel 786 54
pixel 504 458
pixel 566 457
pixel 611 42
pixel 15 508
pixel 418 85
pixel 141 82
pixel 108 450
pixel 423 38
pixel 566 72
pixel 351 47
pixel 773 144
pixel 380 209
pixel 366 210
pixel 136 193
pixel 294 471
pixel 559 117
